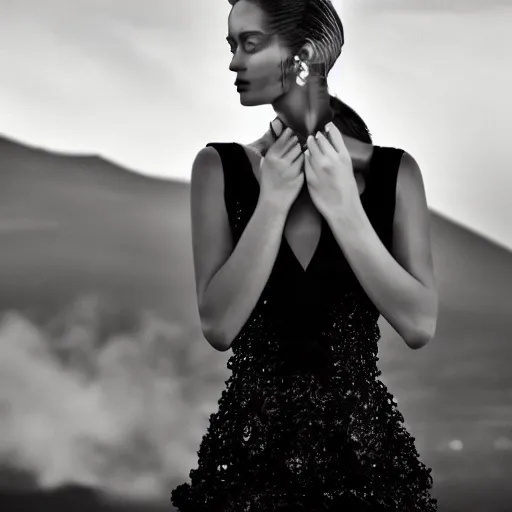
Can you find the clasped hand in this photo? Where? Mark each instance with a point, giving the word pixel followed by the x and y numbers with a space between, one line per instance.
pixel 329 172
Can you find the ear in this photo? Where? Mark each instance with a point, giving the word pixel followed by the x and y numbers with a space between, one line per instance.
pixel 314 57
pixel 307 53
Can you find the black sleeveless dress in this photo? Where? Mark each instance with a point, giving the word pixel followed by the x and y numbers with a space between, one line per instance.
pixel 304 423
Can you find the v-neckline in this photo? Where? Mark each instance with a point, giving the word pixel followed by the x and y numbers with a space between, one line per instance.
pixel 284 241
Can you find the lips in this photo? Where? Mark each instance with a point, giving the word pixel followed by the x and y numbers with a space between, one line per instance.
pixel 242 83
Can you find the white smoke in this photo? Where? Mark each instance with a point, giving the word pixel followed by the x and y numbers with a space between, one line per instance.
pixel 119 409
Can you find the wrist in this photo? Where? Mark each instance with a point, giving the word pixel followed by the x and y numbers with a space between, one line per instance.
pixel 351 216
pixel 274 205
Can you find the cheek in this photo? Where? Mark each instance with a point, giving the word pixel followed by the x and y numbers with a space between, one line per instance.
pixel 268 70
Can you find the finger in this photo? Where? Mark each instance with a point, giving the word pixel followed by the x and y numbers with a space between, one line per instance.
pixel 308 168
pixel 314 148
pixel 294 151
pixel 288 144
pixel 281 144
pixel 273 133
pixel 334 137
pixel 283 140
pixel 298 162
pixel 307 158
pixel 325 145
pixel 276 127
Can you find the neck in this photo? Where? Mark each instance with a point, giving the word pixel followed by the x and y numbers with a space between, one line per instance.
pixel 305 110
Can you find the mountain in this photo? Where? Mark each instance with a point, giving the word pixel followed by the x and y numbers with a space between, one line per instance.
pixel 77 224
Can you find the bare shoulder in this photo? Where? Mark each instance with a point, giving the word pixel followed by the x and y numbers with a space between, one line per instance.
pixel 206 162
pixel 408 164
pixel 410 188
pixel 410 179
pixel 206 184
pixel 207 178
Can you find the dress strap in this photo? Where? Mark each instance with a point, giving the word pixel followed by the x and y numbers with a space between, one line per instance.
pixel 381 206
pixel 235 187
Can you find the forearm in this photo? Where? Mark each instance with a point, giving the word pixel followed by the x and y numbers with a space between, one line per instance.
pixel 235 288
pixel 408 305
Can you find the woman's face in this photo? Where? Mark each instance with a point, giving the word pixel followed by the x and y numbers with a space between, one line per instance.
pixel 257 55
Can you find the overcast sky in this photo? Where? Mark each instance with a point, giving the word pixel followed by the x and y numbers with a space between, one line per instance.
pixel 146 84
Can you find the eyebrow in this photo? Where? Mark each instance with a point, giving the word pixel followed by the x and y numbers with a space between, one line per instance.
pixel 247 33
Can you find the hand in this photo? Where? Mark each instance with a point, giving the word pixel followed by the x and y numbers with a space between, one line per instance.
pixel 281 169
pixel 329 172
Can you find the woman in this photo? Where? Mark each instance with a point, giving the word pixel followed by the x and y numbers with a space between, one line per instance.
pixel 300 243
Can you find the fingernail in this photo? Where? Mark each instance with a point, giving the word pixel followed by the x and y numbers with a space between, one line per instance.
pixel 328 126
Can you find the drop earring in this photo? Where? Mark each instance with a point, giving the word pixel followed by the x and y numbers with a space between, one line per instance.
pixel 303 71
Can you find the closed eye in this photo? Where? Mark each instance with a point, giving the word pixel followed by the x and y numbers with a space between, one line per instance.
pixel 248 47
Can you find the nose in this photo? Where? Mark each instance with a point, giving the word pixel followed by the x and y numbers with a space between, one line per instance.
pixel 236 64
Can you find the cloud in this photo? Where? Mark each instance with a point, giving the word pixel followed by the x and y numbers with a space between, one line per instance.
pixel 90 401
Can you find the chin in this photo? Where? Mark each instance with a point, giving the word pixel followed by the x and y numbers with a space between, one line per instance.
pixel 251 102
pixel 254 100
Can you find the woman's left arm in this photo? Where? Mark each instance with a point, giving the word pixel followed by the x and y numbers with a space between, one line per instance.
pixel 402 286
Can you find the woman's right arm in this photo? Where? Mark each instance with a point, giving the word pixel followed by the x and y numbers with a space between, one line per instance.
pixel 229 280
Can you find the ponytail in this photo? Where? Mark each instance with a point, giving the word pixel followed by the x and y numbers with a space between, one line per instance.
pixel 353 125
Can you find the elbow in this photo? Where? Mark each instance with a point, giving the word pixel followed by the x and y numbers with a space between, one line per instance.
pixel 215 339
pixel 423 329
pixel 421 334
pixel 214 334
pixel 210 326
pixel 217 342
pixel 418 341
